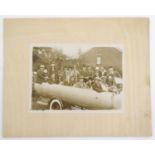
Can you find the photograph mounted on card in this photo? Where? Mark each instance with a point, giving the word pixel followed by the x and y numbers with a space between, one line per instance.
pixel 71 77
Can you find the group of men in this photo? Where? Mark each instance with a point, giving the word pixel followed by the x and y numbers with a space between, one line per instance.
pixel 98 79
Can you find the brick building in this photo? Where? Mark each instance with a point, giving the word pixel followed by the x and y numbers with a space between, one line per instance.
pixel 102 56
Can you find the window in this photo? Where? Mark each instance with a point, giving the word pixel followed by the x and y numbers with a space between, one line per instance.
pixel 98 60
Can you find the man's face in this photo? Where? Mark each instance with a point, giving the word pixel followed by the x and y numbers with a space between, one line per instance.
pixel 42 68
pixel 89 81
pixel 103 69
pixel 89 68
pixel 110 78
pixel 97 74
pixel 111 70
pixel 96 80
pixel 81 80
pixel 74 67
pixel 84 68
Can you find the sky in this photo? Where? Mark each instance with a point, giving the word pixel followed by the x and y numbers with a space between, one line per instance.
pixel 72 50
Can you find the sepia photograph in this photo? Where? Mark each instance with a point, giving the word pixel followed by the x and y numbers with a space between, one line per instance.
pixel 76 77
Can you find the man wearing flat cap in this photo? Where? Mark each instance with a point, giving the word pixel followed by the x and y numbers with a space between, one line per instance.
pixel 80 83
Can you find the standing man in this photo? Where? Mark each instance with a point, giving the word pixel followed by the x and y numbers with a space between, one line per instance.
pixel 52 73
pixel 75 73
pixel 41 74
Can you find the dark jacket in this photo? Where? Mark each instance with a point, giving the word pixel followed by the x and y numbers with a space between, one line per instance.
pixel 97 87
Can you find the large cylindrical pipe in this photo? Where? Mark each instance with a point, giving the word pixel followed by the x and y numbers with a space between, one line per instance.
pixel 86 98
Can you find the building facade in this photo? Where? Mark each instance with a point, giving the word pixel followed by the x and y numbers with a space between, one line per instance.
pixel 102 56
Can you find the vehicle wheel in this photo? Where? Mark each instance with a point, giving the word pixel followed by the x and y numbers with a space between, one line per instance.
pixel 55 104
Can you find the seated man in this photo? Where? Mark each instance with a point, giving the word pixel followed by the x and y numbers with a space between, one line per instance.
pixel 97 86
pixel 110 81
pixel 80 83
pixel 89 82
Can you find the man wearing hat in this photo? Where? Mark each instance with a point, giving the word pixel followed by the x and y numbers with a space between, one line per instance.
pixel 80 83
pixel 89 82
pixel 41 74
